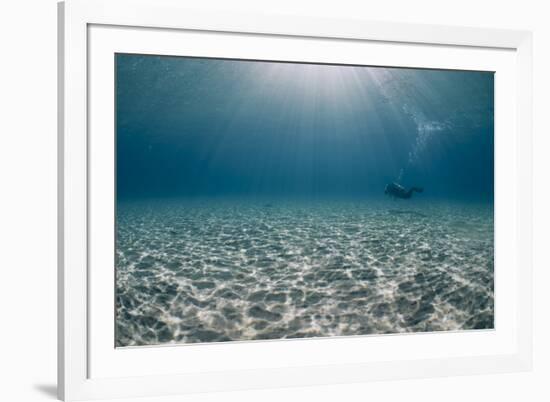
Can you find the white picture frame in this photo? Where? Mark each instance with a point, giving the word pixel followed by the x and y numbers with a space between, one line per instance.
pixel 88 365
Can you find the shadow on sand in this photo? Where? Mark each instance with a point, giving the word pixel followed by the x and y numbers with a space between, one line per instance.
pixel 407 212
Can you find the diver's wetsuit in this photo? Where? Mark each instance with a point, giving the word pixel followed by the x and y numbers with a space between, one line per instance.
pixel 397 191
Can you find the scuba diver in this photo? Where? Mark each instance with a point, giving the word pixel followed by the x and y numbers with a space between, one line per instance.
pixel 397 191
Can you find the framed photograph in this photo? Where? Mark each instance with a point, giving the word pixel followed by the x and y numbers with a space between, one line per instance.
pixel 255 201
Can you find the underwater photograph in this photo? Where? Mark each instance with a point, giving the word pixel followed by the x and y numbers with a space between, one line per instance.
pixel 277 200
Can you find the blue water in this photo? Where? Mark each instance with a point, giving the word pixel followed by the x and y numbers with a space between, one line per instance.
pixel 250 200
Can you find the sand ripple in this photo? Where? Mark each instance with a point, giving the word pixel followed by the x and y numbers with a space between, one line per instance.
pixel 205 272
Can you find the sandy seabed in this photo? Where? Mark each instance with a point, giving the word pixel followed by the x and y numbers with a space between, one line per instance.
pixel 211 271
